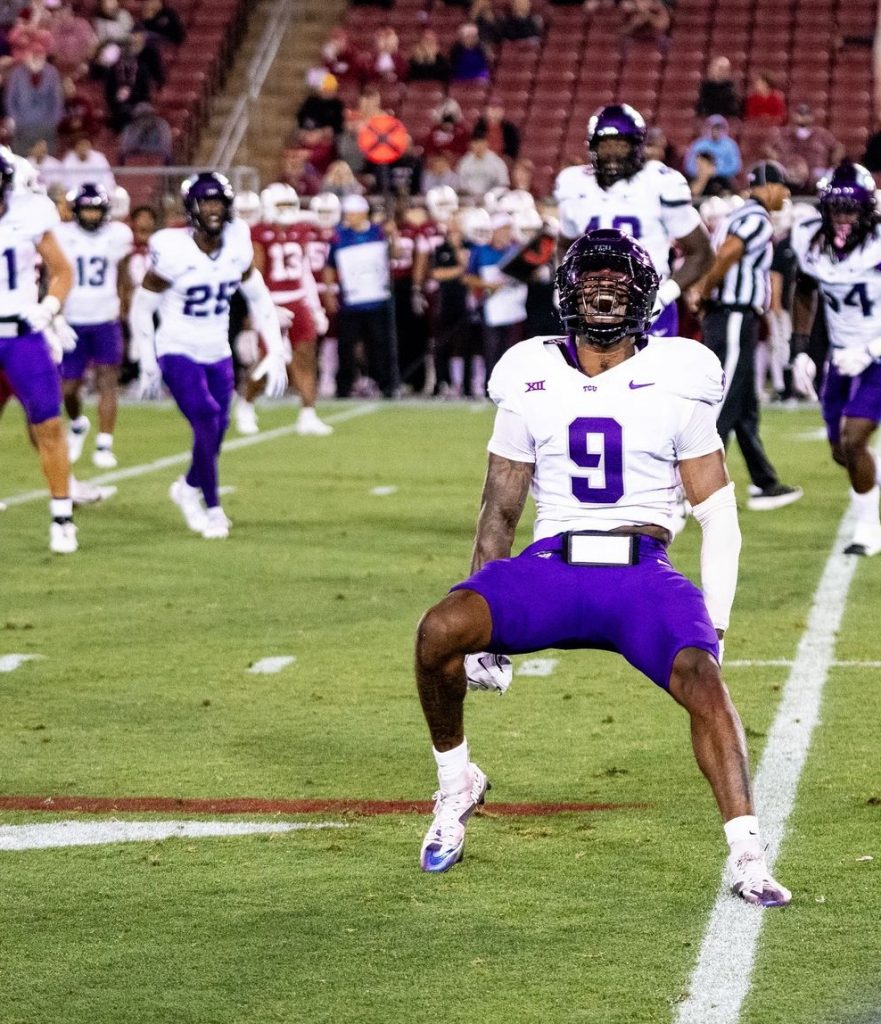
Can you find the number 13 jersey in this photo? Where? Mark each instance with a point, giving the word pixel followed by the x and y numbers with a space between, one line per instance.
pixel 194 312
pixel 606 447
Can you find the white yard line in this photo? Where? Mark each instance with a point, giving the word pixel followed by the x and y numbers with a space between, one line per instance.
pixel 721 978
pixel 183 457
pixel 98 833
pixel 787 662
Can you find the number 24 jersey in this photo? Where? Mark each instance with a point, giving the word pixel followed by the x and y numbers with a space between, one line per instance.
pixel 606 447
pixel 194 312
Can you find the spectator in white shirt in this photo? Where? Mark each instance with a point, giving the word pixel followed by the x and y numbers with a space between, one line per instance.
pixel 481 169
pixel 49 170
pixel 83 164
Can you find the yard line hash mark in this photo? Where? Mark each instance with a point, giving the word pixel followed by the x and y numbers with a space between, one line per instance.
pixel 269 666
pixel 16 838
pixel 721 978
pixel 10 662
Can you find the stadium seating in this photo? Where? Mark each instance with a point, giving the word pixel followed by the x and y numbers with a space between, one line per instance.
pixel 551 91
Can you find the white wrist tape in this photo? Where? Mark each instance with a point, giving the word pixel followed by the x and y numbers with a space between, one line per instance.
pixel 668 292
pixel 263 316
pixel 53 304
pixel 720 550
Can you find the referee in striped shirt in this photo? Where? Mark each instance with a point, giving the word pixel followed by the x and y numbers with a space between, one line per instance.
pixel 734 295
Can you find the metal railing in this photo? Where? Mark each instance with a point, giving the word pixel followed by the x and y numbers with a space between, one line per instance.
pixel 239 118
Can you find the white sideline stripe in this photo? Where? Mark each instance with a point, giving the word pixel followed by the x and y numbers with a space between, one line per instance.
pixel 175 460
pixel 98 833
pixel 722 976
pixel 537 667
pixel 10 662
pixel 269 666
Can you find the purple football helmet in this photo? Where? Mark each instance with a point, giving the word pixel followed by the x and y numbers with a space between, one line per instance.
pixel 607 285
pixel 847 206
pixel 207 185
pixel 618 121
pixel 7 174
pixel 89 197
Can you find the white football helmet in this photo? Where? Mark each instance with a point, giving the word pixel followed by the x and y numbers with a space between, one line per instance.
pixel 713 210
pixel 281 204
pixel 120 203
pixel 477 225
pixel 247 206
pixel 491 199
pixel 26 177
pixel 442 203
pixel 327 208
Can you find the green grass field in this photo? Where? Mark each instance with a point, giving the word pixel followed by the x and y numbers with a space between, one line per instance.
pixel 143 689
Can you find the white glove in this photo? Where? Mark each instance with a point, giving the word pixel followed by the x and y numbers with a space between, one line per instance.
pixel 149 381
pixel 488 671
pixel 322 324
pixel 804 372
pixel 851 361
pixel 64 332
pixel 274 370
pixel 39 316
pixel 247 347
pixel 668 292
pixel 285 317
pixel 418 302
pixel 53 343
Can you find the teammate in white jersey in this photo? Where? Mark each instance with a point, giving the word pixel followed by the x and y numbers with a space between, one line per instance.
pixel 839 256
pixel 643 198
pixel 95 247
pixel 32 335
pixel 194 272
pixel 597 424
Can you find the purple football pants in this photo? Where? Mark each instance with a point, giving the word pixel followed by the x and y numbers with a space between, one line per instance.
pixel 32 375
pixel 203 393
pixel 647 612
pixel 850 397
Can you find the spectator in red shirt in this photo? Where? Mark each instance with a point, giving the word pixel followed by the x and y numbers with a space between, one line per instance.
pixel 340 58
pixel 449 136
pixel 385 64
pixel 80 117
pixel 298 172
pixel 765 102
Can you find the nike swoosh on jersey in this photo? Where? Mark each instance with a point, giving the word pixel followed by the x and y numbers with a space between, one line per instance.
pixel 634 386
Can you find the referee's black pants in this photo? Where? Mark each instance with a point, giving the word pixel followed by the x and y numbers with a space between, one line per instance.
pixel 375 329
pixel 733 335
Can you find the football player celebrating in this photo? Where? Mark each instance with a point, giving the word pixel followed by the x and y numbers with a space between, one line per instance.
pixel 280 254
pixel 193 273
pixel 95 247
pixel 839 255
pixel 597 424
pixel 621 189
pixel 28 222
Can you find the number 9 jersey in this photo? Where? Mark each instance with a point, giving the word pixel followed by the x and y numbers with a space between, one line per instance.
pixel 194 310
pixel 606 447
pixel 850 286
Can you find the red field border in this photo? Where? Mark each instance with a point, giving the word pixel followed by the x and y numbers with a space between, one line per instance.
pixel 257 805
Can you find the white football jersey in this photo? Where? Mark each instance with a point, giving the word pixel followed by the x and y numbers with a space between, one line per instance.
pixel 95 257
pixel 27 218
pixel 606 447
pixel 850 288
pixel 653 206
pixel 194 312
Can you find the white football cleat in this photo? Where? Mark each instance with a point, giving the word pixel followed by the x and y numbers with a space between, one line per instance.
pixel 444 842
pixel 104 458
pixel 218 524
pixel 189 501
pixel 866 540
pixel 752 879
pixel 76 437
pixel 82 493
pixel 246 418
pixel 62 538
pixel 308 423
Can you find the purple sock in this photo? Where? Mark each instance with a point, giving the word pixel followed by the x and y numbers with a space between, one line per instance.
pixel 206 447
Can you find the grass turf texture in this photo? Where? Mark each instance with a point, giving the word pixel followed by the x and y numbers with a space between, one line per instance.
pixel 147 635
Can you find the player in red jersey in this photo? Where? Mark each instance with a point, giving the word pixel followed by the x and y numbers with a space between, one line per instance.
pixel 325 214
pixel 280 254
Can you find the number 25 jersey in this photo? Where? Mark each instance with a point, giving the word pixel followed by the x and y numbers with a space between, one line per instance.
pixel 194 312
pixel 850 288
pixel 606 447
